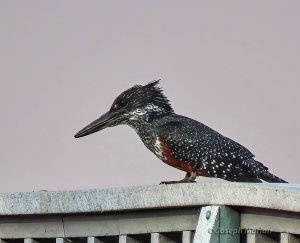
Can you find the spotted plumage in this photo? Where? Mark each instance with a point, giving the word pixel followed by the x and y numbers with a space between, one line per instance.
pixel 179 141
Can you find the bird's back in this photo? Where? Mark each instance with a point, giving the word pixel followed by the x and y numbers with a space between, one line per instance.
pixel 202 149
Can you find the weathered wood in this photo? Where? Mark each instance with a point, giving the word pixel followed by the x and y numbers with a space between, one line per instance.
pixel 131 223
pixel 187 236
pixel 161 238
pixel 123 239
pixel 155 238
pixel 229 228
pixel 208 225
pixel 166 210
pixel 30 240
pixel 25 227
pixel 94 240
pixel 61 240
pixel 127 239
pixel 286 198
pixel 259 238
pixel 288 238
pixel 100 225
pixel 270 223
pixel 218 224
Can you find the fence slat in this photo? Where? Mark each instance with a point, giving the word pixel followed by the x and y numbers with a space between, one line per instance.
pixel 94 240
pixel 61 240
pixel 288 238
pixel 258 238
pixel 187 237
pixel 30 240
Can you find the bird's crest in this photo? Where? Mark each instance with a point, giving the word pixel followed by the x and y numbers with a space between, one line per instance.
pixel 140 96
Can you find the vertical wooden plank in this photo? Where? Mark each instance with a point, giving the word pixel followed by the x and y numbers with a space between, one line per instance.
pixel 61 240
pixel 229 228
pixel 208 225
pixel 288 238
pixel 161 238
pixel 127 239
pixel 187 237
pixel 258 238
pixel 123 239
pixel 29 240
pixel 155 238
pixel 94 240
pixel 251 238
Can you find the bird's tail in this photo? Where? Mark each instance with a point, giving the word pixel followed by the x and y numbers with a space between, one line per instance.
pixel 269 177
pixel 261 172
pixel 264 174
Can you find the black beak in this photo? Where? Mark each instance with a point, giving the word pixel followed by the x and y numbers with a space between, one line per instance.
pixel 106 120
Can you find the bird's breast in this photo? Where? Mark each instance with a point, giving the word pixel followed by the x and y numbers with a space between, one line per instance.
pixel 163 152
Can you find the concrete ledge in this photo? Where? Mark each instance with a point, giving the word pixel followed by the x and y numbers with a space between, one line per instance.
pixel 284 197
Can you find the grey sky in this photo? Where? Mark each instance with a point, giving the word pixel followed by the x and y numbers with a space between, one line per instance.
pixel 233 65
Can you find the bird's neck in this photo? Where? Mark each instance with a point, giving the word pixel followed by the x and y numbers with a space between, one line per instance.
pixel 143 120
pixel 145 130
pixel 145 123
pixel 140 122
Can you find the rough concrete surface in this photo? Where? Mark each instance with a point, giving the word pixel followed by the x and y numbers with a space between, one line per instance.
pixel 284 197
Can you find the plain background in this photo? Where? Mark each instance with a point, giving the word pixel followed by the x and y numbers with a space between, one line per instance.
pixel 233 65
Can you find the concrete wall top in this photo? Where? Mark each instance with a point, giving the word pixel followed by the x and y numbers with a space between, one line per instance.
pixel 284 197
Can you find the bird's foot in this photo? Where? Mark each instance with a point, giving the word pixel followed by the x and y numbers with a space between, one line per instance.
pixel 174 182
pixel 189 177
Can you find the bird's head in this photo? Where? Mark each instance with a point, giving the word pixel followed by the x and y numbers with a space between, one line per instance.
pixel 140 103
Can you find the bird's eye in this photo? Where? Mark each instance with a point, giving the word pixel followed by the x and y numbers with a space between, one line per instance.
pixel 118 105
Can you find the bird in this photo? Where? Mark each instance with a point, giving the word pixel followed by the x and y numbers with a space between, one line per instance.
pixel 180 141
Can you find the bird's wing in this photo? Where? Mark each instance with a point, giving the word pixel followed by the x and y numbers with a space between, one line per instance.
pixel 202 148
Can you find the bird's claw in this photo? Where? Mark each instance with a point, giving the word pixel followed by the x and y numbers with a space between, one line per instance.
pixel 175 182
